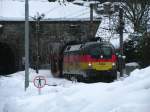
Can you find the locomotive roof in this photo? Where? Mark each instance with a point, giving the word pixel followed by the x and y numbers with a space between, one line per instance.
pixel 76 47
pixel 73 47
pixel 101 43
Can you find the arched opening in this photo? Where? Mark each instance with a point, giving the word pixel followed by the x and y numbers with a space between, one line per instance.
pixel 7 60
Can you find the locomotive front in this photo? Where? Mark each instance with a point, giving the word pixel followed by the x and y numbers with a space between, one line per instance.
pixel 91 59
pixel 100 60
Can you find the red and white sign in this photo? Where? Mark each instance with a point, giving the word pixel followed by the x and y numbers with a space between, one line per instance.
pixel 39 81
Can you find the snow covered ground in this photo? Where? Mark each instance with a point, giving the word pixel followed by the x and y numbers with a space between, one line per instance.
pixel 131 94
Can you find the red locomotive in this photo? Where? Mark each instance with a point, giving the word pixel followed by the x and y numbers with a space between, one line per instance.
pixel 89 60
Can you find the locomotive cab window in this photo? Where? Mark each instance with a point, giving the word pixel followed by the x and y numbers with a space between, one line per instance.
pixel 106 52
pixel 95 52
pixel 99 51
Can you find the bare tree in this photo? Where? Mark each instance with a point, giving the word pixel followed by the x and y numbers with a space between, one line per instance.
pixel 137 12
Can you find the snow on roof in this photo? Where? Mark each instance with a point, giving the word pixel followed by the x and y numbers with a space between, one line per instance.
pixel 15 10
pixel 73 48
pixel 79 2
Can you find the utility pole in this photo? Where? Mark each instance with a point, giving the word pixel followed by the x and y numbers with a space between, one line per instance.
pixel 1 27
pixel 37 43
pixel 121 27
pixel 91 13
pixel 108 10
pixel 91 21
pixel 26 44
pixel 38 19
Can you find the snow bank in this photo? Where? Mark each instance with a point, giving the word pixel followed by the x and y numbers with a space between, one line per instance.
pixel 132 64
pixel 131 94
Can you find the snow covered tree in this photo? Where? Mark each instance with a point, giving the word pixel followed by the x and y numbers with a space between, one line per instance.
pixel 131 49
pixel 137 12
pixel 144 49
pixel 137 49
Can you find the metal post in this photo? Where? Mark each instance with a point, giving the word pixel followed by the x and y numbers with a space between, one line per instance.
pixel 26 44
pixel 37 43
pixel 38 19
pixel 121 23
pixel 91 20
pixel 91 13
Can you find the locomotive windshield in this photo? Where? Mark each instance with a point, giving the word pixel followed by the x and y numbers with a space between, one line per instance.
pixel 100 51
pixel 106 52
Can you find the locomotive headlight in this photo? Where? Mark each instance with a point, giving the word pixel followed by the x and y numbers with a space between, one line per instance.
pixel 101 56
pixel 90 65
pixel 113 64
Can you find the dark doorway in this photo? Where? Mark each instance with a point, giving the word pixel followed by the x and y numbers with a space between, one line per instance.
pixel 7 60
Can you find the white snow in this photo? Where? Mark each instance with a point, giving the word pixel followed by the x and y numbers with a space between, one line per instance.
pixel 130 94
pixel 132 64
pixel 75 47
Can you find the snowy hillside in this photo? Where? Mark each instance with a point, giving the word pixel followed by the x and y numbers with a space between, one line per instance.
pixel 131 94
